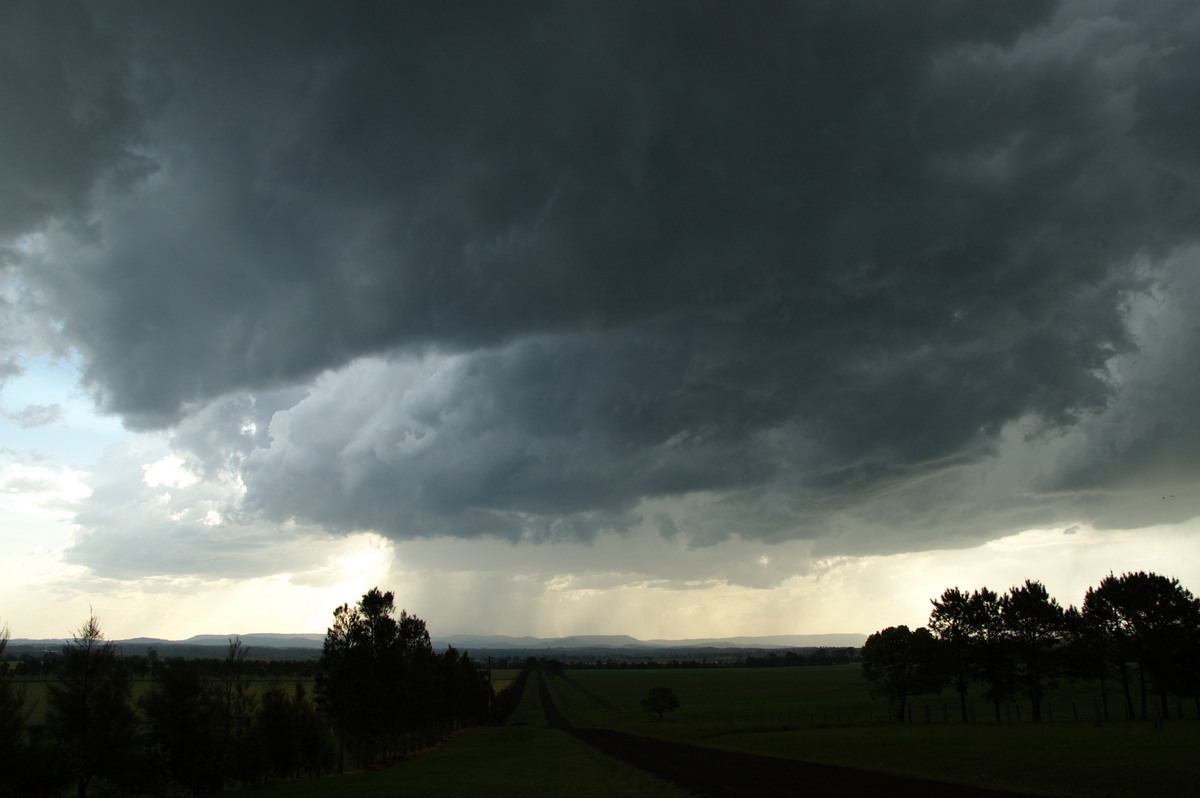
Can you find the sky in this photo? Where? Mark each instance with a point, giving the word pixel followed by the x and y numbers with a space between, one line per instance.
pixel 673 319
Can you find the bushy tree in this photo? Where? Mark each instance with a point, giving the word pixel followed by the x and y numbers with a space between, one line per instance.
pixel 373 666
pixel 1148 619
pixel 660 701
pixel 955 624
pixel 902 663
pixel 461 688
pixel 992 659
pixel 1037 628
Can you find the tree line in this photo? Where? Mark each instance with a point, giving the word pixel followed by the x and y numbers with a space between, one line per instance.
pixel 381 691
pixel 1138 634
pixel 796 659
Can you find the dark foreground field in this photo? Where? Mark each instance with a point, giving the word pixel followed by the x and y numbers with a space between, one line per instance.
pixel 767 732
pixel 714 773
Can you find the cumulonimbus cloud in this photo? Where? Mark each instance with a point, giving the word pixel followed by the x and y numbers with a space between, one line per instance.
pixel 562 265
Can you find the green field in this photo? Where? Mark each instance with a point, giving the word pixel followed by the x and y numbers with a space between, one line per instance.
pixel 820 714
pixel 36 690
pixel 523 758
pixel 503 677
pixel 826 715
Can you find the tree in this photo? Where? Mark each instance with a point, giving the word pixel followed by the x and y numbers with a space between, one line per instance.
pixel 902 663
pixel 1151 620
pixel 954 623
pixel 374 675
pixel 13 717
pixel 660 701
pixel 233 708
pixel 89 709
pixel 462 689
pixel 184 718
pixel 991 648
pixel 1037 628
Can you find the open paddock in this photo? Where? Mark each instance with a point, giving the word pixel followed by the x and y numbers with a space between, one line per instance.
pixel 827 715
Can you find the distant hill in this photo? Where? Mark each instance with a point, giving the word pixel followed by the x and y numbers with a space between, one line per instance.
pixel 261 639
pixel 213 645
pixel 625 641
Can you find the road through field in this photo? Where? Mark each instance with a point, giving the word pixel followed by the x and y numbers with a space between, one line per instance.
pixel 714 773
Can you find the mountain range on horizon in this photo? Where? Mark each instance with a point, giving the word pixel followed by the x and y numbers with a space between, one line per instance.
pixel 502 642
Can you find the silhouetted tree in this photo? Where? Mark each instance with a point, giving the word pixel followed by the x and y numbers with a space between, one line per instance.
pixel 660 701
pixel 233 708
pixel 955 624
pixel 184 718
pixel 89 709
pixel 462 688
pixel 1151 620
pixel 374 674
pixel 293 737
pixel 1037 627
pixel 1096 650
pixel 902 663
pixel 13 717
pixel 991 656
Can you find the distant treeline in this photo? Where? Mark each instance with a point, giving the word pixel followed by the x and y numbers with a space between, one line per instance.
pixel 1138 635
pixel 47 664
pixel 722 659
pixel 206 725
pixel 821 656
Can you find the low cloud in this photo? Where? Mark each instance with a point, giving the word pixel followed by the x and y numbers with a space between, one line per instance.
pixel 32 416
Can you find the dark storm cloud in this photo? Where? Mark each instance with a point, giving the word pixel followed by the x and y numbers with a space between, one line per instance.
pixel 786 255
pixel 66 121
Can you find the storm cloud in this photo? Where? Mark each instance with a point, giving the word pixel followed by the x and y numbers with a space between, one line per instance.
pixel 887 275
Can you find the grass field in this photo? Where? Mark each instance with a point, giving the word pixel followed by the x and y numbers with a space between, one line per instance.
pixel 820 714
pixel 824 715
pixel 503 677
pixel 523 758
pixel 36 690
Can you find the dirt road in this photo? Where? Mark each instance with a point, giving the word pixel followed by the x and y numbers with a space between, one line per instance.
pixel 714 773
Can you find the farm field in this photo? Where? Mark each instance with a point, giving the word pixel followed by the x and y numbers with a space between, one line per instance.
pixel 503 677
pixel 36 690
pixel 523 758
pixel 816 714
pixel 826 715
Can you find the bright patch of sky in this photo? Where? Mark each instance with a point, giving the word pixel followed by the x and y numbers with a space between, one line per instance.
pixel 63 424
